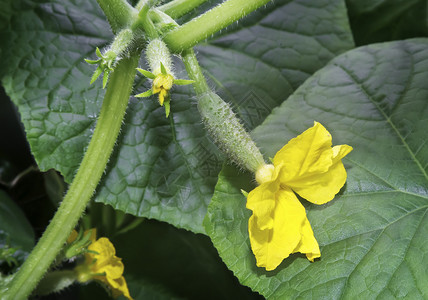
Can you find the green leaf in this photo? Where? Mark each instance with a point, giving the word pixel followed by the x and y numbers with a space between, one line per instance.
pixel 55 187
pixel 147 93
pixel 166 259
pixel 386 20
pixel 162 168
pixel 373 234
pixel 5 13
pixel 98 52
pixel 15 230
pixel 97 73
pixel 167 105
pixel 93 62
pixel 146 73
pixel 183 81
pixel 163 70
pixel 47 78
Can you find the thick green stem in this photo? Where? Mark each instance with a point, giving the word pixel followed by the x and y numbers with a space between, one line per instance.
pixel 178 8
pixel 192 66
pixel 146 22
pixel 219 119
pixel 83 186
pixel 118 12
pixel 212 21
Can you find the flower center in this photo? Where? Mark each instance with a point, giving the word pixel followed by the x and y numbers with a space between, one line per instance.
pixel 264 173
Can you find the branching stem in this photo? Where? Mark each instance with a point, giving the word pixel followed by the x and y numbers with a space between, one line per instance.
pixel 118 12
pixel 204 26
pixel 178 8
pixel 83 186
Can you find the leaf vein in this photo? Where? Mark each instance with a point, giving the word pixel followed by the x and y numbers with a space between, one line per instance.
pixel 388 120
pixel 375 241
pixel 406 251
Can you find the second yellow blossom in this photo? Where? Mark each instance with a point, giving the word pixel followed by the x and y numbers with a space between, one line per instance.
pixel 102 264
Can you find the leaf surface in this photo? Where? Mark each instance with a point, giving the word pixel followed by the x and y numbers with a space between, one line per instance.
pixel 162 168
pixel 373 234
pixel 15 230
pixel 165 260
pixel 386 20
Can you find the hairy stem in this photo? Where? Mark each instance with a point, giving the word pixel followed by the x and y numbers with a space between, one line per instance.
pixel 83 186
pixel 118 12
pixel 146 22
pixel 192 67
pixel 204 26
pixel 178 8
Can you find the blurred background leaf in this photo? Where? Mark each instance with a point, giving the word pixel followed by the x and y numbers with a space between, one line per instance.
pixel 16 233
pixel 375 21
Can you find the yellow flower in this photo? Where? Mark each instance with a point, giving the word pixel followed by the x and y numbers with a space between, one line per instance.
pixel 309 166
pixel 163 80
pixel 101 263
pixel 162 84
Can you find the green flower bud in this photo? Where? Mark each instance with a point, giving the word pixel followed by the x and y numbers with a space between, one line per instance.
pixel 107 61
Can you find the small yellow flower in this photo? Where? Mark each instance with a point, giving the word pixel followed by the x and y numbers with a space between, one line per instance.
pixel 309 166
pixel 162 84
pixel 163 80
pixel 101 263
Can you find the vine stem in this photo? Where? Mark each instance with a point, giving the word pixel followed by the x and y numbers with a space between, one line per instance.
pixel 118 12
pixel 83 186
pixel 194 71
pixel 202 27
pixel 178 8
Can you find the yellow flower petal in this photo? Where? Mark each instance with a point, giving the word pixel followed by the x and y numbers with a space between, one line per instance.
pixel 114 268
pixel 308 244
pixel 272 246
pixel 101 263
pixel 104 248
pixel 156 89
pixel 162 95
pixel 321 188
pixel 308 153
pixel 119 287
pixel 312 168
pixel 261 201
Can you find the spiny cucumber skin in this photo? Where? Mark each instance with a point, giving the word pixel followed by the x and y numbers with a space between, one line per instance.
pixel 228 133
pixel 157 52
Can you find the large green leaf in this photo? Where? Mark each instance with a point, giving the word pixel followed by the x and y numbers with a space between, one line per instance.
pixel 171 263
pixel 385 20
pixel 15 230
pixel 373 234
pixel 162 168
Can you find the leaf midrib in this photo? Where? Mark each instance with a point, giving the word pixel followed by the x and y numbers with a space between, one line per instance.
pixel 394 189
pixel 387 119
